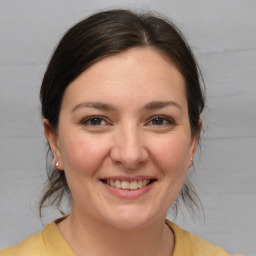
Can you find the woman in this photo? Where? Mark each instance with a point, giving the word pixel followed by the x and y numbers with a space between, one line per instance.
pixel 121 102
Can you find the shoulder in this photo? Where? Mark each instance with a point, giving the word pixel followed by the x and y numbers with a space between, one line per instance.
pixel 33 245
pixel 49 242
pixel 188 244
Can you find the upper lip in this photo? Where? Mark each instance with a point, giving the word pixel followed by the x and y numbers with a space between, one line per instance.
pixel 125 178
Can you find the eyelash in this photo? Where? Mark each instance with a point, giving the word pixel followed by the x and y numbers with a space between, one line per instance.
pixel 91 118
pixel 163 121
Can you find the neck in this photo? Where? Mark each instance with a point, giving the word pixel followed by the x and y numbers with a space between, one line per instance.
pixel 95 238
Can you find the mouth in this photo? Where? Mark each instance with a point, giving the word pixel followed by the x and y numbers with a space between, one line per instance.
pixel 128 185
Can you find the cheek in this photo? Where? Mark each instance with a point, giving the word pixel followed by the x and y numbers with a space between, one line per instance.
pixel 172 160
pixel 82 154
pixel 172 154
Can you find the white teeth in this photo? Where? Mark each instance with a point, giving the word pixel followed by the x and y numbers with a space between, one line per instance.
pixel 140 184
pixel 128 185
pixel 133 185
pixel 118 184
pixel 125 185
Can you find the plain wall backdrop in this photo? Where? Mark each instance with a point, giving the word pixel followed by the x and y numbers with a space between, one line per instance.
pixel 222 34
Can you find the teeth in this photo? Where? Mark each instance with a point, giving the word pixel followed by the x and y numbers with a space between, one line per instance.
pixel 118 184
pixel 128 185
pixel 125 185
pixel 139 184
pixel 133 185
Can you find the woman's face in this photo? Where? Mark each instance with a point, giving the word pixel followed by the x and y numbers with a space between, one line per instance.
pixel 124 138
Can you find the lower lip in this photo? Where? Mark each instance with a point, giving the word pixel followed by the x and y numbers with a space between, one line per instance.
pixel 129 194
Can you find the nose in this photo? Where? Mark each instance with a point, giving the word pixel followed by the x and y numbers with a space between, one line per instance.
pixel 128 148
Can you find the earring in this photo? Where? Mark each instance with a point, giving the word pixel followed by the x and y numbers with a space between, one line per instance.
pixel 191 159
pixel 57 164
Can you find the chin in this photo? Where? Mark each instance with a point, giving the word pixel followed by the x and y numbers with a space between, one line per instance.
pixel 129 223
pixel 130 219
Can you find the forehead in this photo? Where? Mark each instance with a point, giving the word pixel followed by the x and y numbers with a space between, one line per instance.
pixel 138 73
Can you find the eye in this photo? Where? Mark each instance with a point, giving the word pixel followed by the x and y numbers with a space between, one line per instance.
pixel 94 121
pixel 161 121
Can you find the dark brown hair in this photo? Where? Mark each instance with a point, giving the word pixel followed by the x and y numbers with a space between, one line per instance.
pixel 101 35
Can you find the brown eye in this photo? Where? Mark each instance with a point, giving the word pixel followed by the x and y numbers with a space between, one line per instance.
pixel 158 121
pixel 94 121
pixel 161 120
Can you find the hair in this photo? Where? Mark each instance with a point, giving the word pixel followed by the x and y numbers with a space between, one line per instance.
pixel 101 35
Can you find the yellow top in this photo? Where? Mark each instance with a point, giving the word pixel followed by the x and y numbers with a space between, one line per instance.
pixel 50 242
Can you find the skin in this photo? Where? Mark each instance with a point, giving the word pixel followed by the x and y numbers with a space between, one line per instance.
pixel 132 137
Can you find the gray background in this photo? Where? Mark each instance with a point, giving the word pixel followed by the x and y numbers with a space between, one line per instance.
pixel 223 36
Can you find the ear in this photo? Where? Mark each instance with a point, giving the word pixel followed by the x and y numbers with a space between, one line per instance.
pixel 194 142
pixel 52 138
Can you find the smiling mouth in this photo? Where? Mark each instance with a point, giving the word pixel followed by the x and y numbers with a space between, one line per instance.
pixel 128 185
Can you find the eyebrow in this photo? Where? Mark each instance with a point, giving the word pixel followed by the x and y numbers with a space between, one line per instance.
pixel 97 105
pixel 154 105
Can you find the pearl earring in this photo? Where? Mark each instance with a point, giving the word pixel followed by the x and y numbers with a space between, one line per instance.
pixel 57 164
pixel 191 159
